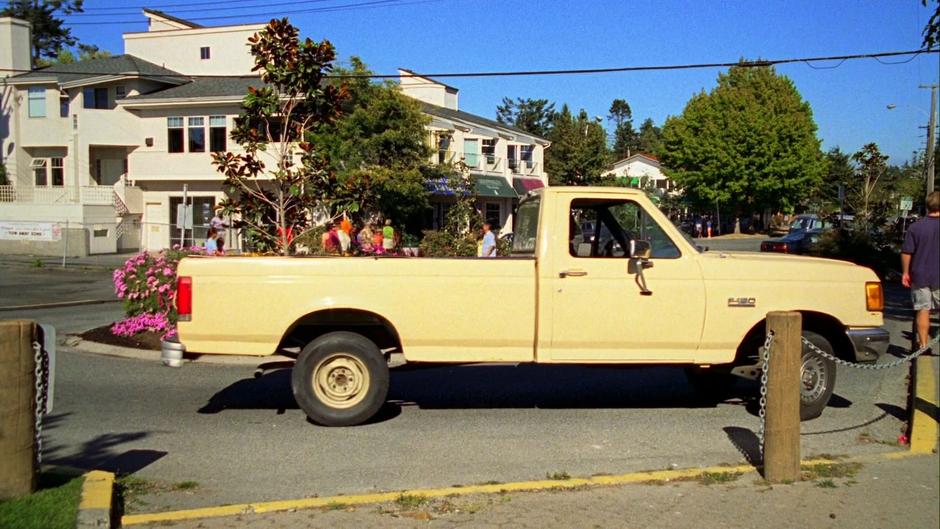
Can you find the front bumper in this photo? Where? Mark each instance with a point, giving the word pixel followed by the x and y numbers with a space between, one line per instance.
pixel 869 343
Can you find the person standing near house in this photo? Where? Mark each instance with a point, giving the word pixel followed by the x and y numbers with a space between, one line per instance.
pixel 388 236
pixel 920 254
pixel 489 241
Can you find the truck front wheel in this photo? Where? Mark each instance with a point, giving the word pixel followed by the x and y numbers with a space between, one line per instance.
pixel 340 379
pixel 817 377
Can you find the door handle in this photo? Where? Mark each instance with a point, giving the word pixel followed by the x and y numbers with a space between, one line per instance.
pixel 574 272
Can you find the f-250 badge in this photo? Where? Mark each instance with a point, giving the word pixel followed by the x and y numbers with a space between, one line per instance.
pixel 742 302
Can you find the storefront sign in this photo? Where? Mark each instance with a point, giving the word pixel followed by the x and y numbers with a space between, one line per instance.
pixel 30 231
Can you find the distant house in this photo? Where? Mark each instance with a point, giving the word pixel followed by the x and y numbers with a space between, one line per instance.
pixel 641 170
pixel 99 154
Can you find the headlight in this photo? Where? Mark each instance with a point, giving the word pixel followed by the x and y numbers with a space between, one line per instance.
pixel 874 297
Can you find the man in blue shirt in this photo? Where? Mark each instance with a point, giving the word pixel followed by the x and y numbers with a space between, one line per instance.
pixel 920 264
pixel 489 241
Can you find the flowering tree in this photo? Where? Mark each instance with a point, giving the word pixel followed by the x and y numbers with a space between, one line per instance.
pixel 147 284
pixel 281 178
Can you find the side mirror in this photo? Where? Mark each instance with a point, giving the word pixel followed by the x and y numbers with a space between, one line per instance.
pixel 640 249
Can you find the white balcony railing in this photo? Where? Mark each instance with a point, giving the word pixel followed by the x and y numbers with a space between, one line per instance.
pixel 90 195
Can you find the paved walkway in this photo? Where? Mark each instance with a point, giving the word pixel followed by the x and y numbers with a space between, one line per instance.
pixel 103 261
pixel 897 494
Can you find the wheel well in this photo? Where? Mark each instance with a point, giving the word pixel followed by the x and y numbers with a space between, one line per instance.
pixel 368 324
pixel 822 324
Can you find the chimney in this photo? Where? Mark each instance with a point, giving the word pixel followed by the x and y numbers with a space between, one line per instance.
pixel 15 46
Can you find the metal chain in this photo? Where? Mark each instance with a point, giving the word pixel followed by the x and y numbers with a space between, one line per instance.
pixel 764 368
pixel 41 378
pixel 889 365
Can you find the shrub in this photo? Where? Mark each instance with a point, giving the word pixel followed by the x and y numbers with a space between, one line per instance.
pixel 861 248
pixel 147 284
pixel 446 244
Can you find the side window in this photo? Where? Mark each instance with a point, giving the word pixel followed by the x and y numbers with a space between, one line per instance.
pixel 600 228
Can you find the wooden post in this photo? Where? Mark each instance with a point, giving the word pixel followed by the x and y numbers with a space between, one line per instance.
pixel 17 394
pixel 782 426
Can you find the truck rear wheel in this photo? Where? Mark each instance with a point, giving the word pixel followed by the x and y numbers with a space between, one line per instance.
pixel 340 379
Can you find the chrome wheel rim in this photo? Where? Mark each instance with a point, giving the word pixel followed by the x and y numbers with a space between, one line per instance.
pixel 812 378
pixel 340 381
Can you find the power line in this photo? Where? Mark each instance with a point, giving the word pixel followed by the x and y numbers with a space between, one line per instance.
pixel 207 8
pixel 170 5
pixel 371 4
pixel 529 73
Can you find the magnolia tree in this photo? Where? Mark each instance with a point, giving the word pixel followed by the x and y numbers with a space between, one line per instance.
pixel 280 179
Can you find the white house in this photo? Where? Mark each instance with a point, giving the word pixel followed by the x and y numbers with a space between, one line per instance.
pixel 639 170
pixel 99 152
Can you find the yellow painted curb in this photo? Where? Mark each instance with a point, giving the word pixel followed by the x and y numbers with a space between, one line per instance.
pixel 97 490
pixel 383 497
pixel 923 425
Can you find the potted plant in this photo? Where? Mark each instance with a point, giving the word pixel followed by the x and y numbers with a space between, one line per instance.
pixel 409 245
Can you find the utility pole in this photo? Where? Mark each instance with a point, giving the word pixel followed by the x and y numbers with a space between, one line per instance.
pixel 931 136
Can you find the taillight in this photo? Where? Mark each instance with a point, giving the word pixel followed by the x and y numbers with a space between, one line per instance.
pixel 769 246
pixel 874 297
pixel 184 298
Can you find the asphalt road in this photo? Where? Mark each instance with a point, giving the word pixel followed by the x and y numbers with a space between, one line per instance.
pixel 243 439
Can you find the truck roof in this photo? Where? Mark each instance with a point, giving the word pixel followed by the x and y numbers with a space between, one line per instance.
pixel 604 190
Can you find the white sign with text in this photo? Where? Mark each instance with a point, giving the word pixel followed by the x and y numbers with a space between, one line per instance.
pixel 30 231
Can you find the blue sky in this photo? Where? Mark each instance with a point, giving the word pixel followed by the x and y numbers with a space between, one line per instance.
pixel 849 102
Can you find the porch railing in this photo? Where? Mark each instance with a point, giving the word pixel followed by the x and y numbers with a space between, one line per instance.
pixel 91 195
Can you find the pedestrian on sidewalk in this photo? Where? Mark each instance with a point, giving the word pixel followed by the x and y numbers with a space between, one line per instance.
pixel 488 248
pixel 920 254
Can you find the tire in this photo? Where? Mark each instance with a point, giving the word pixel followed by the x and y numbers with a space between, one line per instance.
pixel 340 379
pixel 817 377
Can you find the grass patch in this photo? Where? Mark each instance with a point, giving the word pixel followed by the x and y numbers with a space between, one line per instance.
pixel 334 506
pixel 830 470
pixel 558 476
pixel 826 484
pixel 53 506
pixel 411 501
pixel 717 478
pixel 130 488
pixel 185 485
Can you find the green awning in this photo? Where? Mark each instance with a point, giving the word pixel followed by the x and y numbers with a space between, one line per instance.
pixel 494 186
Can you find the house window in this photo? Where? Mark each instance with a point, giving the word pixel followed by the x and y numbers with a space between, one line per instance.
pixel 63 104
pixel 58 172
pixel 38 165
pixel 525 153
pixel 204 53
pixel 443 146
pixel 217 133
pixel 511 158
pixel 492 214
pixel 174 134
pixel 37 102
pixel 197 134
pixel 95 98
pixel 120 92
pixel 489 150
pixel 470 152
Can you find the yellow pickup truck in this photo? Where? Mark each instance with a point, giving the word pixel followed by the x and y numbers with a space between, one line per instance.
pixel 632 289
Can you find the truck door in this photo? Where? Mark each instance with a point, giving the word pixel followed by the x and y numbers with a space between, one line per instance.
pixel 600 310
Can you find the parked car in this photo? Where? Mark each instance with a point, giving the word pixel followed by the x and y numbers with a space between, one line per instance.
pixel 805 232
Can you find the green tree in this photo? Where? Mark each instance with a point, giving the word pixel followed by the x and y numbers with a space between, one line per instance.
pixel 49 34
pixel 626 139
pixel 750 143
pixel 650 137
pixel 378 151
pixel 868 191
pixel 281 181
pixel 932 29
pixel 531 115
pixel 839 171
pixel 87 52
pixel 579 152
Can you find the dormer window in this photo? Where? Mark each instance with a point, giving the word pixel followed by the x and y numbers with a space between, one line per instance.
pixel 204 53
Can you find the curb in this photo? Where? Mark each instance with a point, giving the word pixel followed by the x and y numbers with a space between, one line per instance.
pixel 85 346
pixel 96 506
pixel 924 415
pixel 60 304
pixel 498 488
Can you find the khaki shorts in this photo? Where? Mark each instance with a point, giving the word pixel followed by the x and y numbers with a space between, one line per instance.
pixel 925 298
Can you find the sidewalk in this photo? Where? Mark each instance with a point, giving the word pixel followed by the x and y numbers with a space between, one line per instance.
pixel 902 494
pixel 98 262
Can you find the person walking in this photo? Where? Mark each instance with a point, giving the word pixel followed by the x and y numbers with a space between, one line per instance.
pixel 920 254
pixel 489 241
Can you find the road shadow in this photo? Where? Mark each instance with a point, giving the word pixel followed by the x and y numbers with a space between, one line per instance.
pixel 491 386
pixel 102 452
